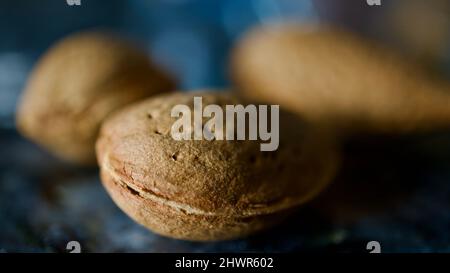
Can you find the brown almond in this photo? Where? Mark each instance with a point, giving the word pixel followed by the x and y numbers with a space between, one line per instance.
pixel 76 84
pixel 208 190
pixel 332 76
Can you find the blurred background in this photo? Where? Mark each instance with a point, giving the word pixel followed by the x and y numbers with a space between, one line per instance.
pixel 45 203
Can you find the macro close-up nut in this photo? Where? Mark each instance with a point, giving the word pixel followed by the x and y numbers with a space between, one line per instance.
pixel 208 189
pixel 76 84
pixel 332 76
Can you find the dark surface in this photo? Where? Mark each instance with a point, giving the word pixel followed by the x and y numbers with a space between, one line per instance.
pixel 393 191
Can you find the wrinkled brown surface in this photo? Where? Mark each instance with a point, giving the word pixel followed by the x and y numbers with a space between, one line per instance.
pixel 332 76
pixel 207 190
pixel 76 84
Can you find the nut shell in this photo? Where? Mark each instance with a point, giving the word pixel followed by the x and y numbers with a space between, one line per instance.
pixel 331 76
pixel 76 84
pixel 208 190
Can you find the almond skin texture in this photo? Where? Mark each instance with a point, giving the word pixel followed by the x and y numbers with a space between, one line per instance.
pixel 208 190
pixel 331 76
pixel 76 84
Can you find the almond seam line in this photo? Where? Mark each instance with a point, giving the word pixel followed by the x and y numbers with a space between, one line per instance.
pixel 281 205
